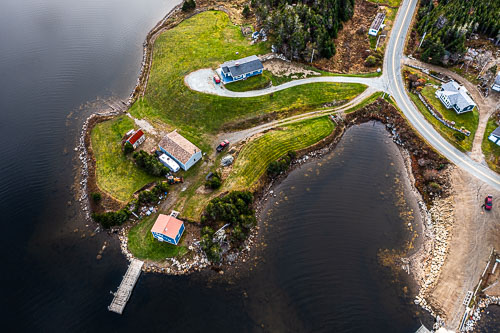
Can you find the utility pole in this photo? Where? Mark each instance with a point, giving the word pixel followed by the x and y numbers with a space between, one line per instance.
pixel 312 55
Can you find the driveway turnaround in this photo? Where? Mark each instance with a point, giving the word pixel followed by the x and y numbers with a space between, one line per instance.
pixel 391 82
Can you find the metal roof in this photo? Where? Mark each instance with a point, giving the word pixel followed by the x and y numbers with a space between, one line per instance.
pixel 457 95
pixel 242 66
pixel 496 132
pixel 377 22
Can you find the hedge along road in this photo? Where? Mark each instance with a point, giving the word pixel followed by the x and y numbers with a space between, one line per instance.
pixel 391 82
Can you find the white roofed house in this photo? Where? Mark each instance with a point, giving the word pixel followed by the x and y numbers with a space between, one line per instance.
pixel 180 150
pixel 454 96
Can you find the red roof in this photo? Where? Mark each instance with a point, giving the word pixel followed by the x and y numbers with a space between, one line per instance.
pixel 136 136
pixel 167 225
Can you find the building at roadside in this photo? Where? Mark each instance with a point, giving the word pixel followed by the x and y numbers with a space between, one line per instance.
pixel 236 70
pixel 377 24
pixel 495 136
pixel 168 229
pixel 136 138
pixel 496 84
pixel 180 150
pixel 454 96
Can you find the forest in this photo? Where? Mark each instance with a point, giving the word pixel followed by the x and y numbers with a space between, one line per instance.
pixel 302 29
pixel 448 23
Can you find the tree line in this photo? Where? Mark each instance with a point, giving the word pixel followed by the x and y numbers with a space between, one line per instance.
pixel 302 27
pixel 448 23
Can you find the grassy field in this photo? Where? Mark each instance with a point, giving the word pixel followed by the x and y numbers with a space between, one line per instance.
pixel 252 83
pixel 392 3
pixel 490 150
pixel 116 174
pixel 468 120
pixel 254 158
pixel 206 40
pixel 256 155
pixel 143 246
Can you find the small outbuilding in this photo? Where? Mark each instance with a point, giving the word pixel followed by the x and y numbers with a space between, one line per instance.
pixel 236 70
pixel 168 229
pixel 136 138
pixel 180 150
pixel 376 24
pixel 496 83
pixel 495 136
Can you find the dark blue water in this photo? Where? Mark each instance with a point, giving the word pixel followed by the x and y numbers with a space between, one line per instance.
pixel 319 270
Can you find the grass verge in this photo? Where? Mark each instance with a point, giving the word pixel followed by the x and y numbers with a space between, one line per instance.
pixel 143 245
pixel 467 120
pixel 490 150
pixel 116 174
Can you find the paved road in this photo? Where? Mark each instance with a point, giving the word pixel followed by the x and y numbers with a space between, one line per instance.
pixel 392 70
pixel 391 81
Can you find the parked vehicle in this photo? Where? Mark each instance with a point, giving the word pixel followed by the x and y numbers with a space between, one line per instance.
pixel 174 180
pixel 222 146
pixel 169 163
pixel 488 202
pixel 216 79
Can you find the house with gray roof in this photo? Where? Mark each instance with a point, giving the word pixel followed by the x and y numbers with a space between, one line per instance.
pixel 180 149
pixel 454 96
pixel 236 70
pixel 496 84
pixel 495 136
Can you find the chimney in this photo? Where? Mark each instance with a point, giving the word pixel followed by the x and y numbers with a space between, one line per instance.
pixel 237 64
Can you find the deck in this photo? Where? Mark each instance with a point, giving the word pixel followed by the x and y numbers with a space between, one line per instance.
pixel 126 286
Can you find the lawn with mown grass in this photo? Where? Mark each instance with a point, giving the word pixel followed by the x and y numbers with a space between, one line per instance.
pixel 116 174
pixel 143 245
pixel 468 120
pixel 490 150
pixel 256 155
pixel 207 40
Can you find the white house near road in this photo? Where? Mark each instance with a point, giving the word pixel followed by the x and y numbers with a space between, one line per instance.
pixel 180 150
pixel 454 96
pixel 495 136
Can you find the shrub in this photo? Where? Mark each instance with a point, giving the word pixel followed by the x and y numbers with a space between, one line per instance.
pixel 459 136
pixel 246 11
pixel 127 148
pixel 149 163
pixel 280 165
pixel 215 182
pixel 188 5
pixel 96 197
pixel 110 219
pixel 370 61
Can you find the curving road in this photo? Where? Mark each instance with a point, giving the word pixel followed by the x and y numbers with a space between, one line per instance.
pixel 392 71
pixel 391 81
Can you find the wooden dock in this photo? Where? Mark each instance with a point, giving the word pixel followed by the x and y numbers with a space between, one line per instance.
pixel 423 329
pixel 126 286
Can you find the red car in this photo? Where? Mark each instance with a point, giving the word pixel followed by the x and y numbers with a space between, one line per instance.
pixel 217 79
pixel 488 202
pixel 222 146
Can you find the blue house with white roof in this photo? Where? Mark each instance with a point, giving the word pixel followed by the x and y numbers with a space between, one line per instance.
pixel 236 70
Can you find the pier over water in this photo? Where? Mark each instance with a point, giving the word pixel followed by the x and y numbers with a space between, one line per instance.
pixel 126 286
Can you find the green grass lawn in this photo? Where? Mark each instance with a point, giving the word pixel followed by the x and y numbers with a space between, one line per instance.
pixel 254 158
pixel 206 40
pixel 252 83
pixel 490 150
pixel 143 245
pixel 392 3
pixel 468 120
pixel 116 174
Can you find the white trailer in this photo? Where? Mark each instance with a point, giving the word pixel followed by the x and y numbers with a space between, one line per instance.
pixel 169 163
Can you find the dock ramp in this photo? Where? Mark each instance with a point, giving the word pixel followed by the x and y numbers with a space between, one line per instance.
pixel 126 286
